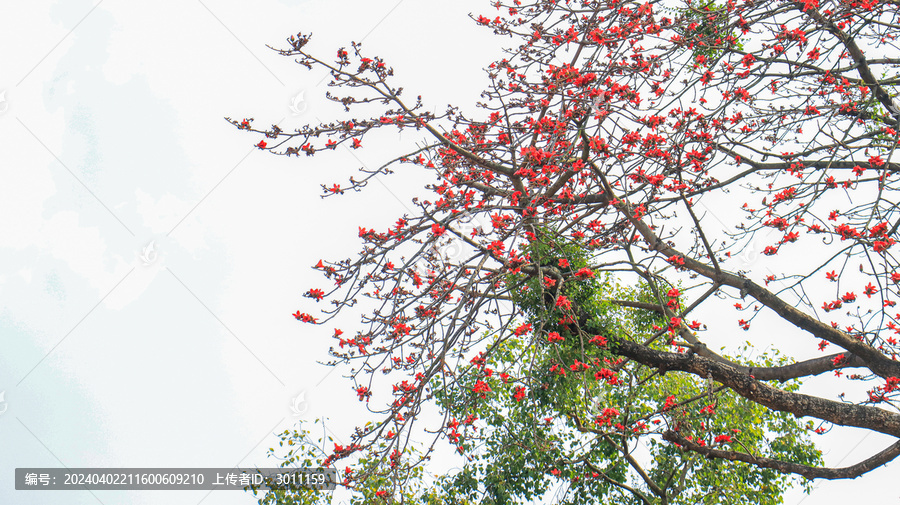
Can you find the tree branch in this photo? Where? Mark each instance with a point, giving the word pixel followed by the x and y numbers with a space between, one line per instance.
pixel 844 414
pixel 810 472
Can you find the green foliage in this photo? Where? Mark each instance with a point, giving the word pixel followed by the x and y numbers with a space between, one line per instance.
pixel 520 446
pixel 301 453
pixel 754 429
pixel 547 439
pixel 706 29
pixel 877 112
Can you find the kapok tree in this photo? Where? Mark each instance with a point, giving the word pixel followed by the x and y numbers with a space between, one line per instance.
pixel 642 179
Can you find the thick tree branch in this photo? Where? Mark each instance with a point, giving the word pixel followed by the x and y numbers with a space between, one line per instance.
pixel 844 414
pixel 810 472
pixel 806 368
pixel 796 370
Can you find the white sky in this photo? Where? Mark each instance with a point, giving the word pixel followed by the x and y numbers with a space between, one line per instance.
pixel 113 141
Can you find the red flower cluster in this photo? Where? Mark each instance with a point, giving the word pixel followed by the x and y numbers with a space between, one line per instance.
pixel 585 273
pixel 606 417
pixel 522 329
pixel 670 402
pixel 482 388
pixel 306 318
pixel 609 376
pixel 598 340
pixel 520 393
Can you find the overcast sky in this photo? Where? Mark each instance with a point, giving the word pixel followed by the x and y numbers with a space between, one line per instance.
pixel 151 256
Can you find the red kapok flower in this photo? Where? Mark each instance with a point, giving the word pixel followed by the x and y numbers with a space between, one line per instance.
pixel 306 318
pixel 481 388
pixel 585 273
pixel 520 393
